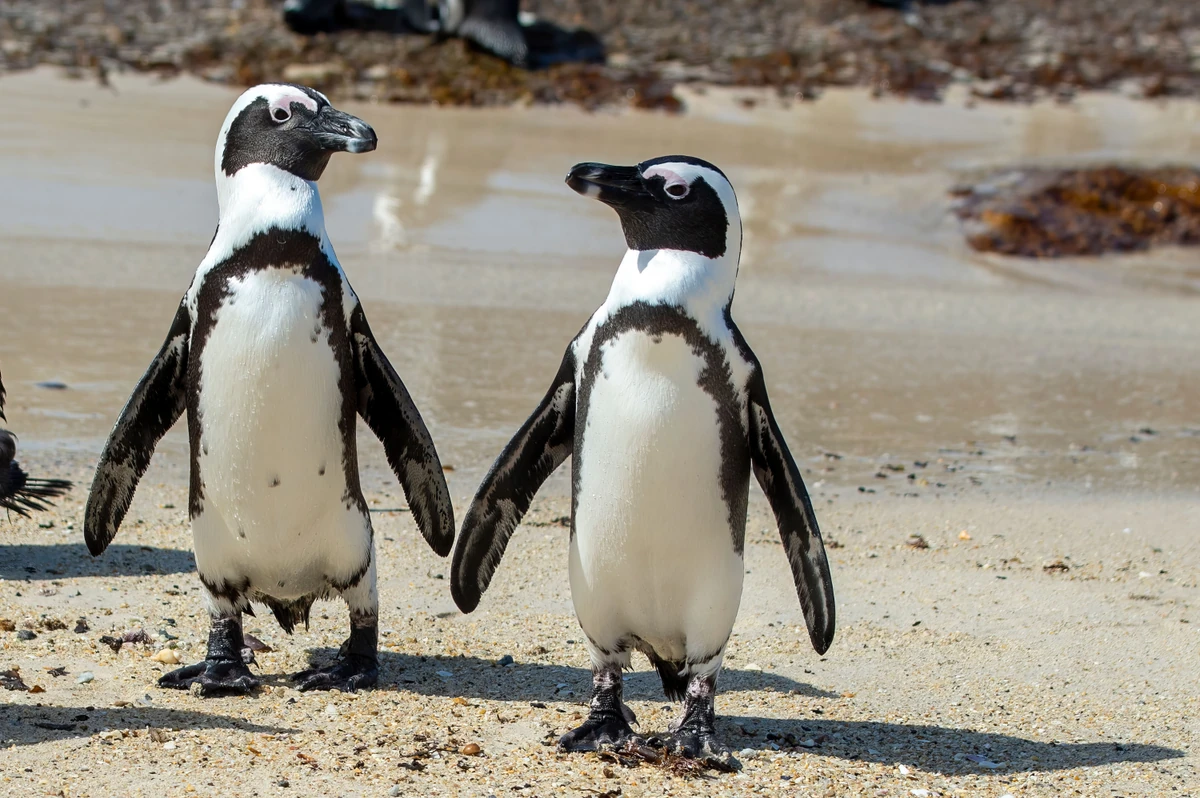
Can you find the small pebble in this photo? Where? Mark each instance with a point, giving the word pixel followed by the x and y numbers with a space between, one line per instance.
pixel 470 749
pixel 25 634
pixel 85 677
pixel 505 661
pixel 394 791
pixel 168 656
pixel 169 746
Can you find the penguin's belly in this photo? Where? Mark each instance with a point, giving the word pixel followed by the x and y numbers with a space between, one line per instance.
pixel 271 452
pixel 652 555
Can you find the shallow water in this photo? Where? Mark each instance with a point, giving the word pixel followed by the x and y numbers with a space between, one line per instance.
pixel 884 338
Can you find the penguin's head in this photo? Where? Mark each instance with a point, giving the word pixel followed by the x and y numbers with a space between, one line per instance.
pixel 293 128
pixel 675 202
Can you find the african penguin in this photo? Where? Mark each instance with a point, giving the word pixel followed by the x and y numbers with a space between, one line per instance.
pixel 664 409
pixel 20 493
pixel 271 357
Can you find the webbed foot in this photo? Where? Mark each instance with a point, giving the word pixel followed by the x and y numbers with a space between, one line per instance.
pixel 348 675
pixel 356 668
pixel 216 677
pixel 601 730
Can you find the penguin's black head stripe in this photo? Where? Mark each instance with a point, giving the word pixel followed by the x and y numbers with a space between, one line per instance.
pixel 660 204
pixel 296 130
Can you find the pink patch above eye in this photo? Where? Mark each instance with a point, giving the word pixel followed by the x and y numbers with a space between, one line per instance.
pixel 285 102
pixel 669 178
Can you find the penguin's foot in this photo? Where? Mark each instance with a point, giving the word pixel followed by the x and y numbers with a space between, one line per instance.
pixel 603 729
pixel 354 672
pixel 215 676
pixel 694 734
pixel 701 745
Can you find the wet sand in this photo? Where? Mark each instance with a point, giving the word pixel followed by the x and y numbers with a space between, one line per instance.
pixel 1054 406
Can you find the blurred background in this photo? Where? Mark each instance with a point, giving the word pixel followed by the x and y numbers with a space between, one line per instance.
pixel 969 225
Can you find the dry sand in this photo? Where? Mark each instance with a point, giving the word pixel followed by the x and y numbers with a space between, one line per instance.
pixel 1055 407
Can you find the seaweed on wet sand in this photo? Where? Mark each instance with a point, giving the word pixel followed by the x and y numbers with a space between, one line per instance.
pixel 1049 213
pixel 1004 49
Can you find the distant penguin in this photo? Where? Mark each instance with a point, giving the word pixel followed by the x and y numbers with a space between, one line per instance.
pixel 271 357
pixel 663 408
pixel 20 493
pixel 497 26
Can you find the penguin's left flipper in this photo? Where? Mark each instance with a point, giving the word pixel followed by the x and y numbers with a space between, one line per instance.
pixel 156 404
pixel 384 403
pixel 541 445
pixel 781 482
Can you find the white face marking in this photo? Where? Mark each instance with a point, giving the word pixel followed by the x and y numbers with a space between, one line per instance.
pixel 281 106
pixel 673 183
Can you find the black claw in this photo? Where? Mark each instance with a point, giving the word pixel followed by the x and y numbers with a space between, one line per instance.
pixel 599 731
pixel 215 677
pixel 348 675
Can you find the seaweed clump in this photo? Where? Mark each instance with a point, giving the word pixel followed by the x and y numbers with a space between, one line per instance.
pixel 1042 213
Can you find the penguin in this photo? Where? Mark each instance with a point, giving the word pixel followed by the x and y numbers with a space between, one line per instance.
pixel 20 493
pixel 271 357
pixel 663 409
pixel 496 26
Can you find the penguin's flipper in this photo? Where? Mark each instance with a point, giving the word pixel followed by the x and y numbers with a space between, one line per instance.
pixel 541 445
pixel 2 398
pixel 781 482
pixel 384 403
pixel 155 405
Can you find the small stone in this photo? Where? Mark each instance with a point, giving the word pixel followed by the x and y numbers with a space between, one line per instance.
pixel 169 745
pixel 753 666
pixel 168 656
pixel 394 791
pixel 284 783
pixel 85 677
pixel 917 542
pixel 331 709
pixel 446 674
pixel 37 688
pixel 470 749
pixel 25 634
pixel 7 626
pixel 964 535
pixel 505 661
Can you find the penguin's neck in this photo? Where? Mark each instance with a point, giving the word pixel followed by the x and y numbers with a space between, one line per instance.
pixel 702 286
pixel 261 197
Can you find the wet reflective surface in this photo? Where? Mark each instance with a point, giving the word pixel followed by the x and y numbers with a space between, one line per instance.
pixel 886 341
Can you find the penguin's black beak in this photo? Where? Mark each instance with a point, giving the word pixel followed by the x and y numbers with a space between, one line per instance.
pixel 613 185
pixel 336 131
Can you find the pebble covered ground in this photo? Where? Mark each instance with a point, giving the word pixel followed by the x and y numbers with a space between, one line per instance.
pixel 1003 49
pixel 986 647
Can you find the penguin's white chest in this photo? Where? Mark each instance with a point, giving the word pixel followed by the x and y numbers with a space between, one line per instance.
pixel 653 553
pixel 270 444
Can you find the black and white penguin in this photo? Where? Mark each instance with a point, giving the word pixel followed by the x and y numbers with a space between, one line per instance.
pixel 20 493
pixel 663 407
pixel 497 26
pixel 271 357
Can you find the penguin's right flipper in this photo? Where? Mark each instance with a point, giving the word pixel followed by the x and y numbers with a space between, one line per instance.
pixel 156 404
pixel 541 445
pixel 386 406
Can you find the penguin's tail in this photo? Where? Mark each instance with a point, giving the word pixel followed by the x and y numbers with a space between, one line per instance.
pixel 23 494
pixel 673 681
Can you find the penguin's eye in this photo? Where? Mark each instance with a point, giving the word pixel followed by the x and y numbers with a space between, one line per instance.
pixel 281 114
pixel 677 190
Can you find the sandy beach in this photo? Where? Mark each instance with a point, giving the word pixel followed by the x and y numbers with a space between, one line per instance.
pixel 1035 423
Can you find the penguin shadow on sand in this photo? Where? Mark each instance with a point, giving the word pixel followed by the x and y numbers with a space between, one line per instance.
pixel 35 561
pixel 32 724
pixel 473 677
pixel 935 749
